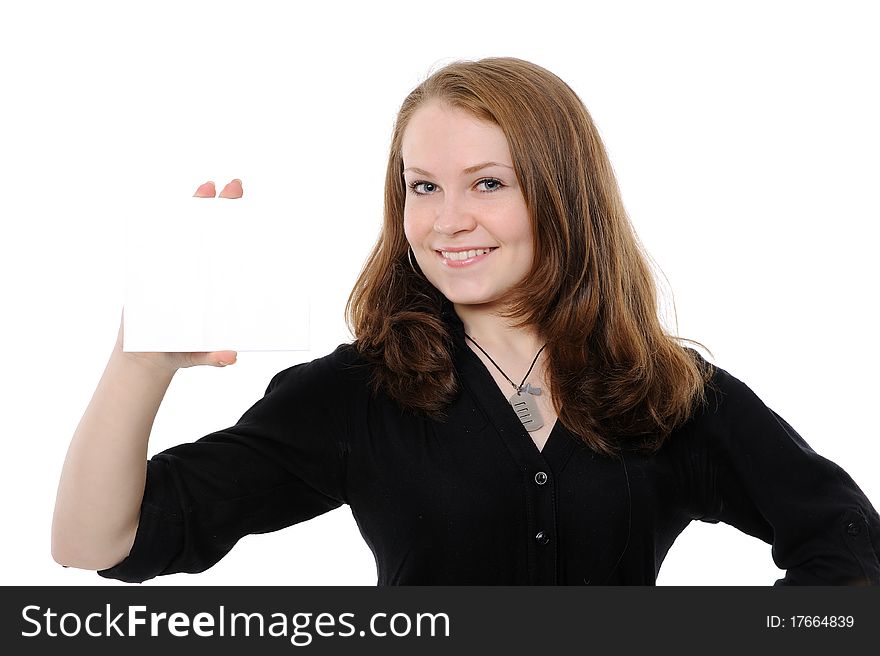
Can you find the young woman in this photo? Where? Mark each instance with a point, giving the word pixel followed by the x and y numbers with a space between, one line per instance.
pixel 511 410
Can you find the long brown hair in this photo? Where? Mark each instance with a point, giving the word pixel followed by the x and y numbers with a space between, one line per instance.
pixel 616 377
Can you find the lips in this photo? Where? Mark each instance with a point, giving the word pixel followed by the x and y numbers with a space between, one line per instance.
pixel 464 254
pixel 459 249
pixel 455 264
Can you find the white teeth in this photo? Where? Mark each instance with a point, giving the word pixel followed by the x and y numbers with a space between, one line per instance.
pixel 464 255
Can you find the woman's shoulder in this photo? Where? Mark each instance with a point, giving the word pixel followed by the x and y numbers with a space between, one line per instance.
pixel 732 416
pixel 723 389
pixel 343 366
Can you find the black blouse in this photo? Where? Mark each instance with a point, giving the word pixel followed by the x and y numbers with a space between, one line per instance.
pixel 472 501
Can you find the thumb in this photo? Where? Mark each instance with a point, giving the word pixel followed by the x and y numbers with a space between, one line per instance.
pixel 223 358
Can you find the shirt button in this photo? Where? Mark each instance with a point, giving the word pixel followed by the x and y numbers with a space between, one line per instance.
pixel 852 528
pixel 542 538
pixel 540 478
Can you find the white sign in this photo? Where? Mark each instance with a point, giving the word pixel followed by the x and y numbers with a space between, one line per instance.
pixel 213 274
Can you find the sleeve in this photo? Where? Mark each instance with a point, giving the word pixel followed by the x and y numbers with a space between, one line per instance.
pixel 753 471
pixel 282 463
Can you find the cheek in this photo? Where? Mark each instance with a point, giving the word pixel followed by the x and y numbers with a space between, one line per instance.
pixel 408 229
pixel 414 225
pixel 524 230
pixel 530 258
pixel 407 221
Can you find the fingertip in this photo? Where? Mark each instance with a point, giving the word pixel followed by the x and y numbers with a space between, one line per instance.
pixel 206 190
pixel 233 189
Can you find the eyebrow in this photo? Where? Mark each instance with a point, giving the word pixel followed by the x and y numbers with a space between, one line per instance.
pixel 467 171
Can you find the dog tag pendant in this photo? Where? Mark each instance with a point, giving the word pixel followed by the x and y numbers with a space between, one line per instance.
pixel 526 406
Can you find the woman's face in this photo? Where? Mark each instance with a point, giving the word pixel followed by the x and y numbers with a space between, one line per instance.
pixel 451 207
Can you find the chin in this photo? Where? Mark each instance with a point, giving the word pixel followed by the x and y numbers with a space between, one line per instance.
pixel 463 296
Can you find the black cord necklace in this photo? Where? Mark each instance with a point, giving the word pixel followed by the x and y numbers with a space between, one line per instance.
pixel 525 406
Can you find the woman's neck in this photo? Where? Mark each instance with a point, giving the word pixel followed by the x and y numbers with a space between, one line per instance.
pixel 495 334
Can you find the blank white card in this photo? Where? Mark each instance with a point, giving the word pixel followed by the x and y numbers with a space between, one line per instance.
pixel 214 274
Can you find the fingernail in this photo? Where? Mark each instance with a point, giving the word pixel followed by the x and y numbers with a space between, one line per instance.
pixel 233 189
pixel 206 190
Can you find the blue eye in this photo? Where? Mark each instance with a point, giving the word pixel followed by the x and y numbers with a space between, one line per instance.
pixel 495 182
pixel 413 186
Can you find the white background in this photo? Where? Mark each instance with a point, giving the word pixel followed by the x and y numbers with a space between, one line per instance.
pixel 744 136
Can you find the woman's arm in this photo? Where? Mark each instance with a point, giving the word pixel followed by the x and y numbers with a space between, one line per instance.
pixel 102 481
pixel 283 462
pixel 752 470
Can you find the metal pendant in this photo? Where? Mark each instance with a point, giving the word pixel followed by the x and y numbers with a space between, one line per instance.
pixel 526 406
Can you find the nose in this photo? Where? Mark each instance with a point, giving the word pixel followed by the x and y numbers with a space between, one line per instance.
pixel 454 216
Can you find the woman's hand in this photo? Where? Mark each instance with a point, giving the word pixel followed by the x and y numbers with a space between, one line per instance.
pixel 174 361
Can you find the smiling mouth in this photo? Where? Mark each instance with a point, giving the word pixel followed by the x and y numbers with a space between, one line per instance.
pixel 460 256
pixel 464 258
